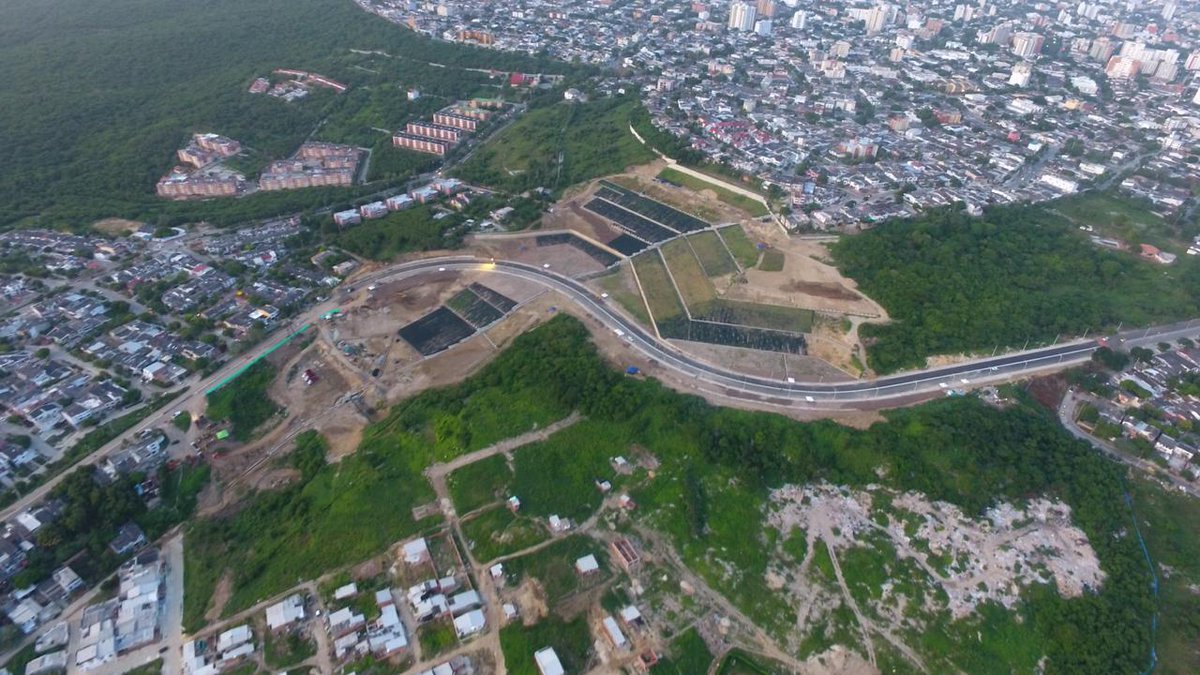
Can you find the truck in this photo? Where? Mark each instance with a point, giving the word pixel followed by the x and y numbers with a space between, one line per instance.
pixel 633 370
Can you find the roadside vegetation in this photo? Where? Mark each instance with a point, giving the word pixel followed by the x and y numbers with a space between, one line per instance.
pixel 1017 276
pixel 244 401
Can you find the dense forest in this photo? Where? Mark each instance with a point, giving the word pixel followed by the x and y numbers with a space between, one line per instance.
pixel 957 450
pixel 97 97
pixel 1018 275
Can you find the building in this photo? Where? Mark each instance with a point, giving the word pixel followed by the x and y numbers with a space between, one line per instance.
pixel 587 565
pixel 742 16
pixel 283 614
pixel 129 538
pixel 547 662
pixel 416 552
pixel 1021 73
pixel 182 185
pixel 399 202
pixel 350 217
pixel 420 144
pixel 1122 68
pixel 373 210
pixel 1027 45
pixel 470 623
pixel 458 120
pixel 625 554
pixel 878 18
pixel 436 131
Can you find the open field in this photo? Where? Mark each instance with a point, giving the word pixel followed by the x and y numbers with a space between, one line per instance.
pixel 751 207
pixel 620 286
pixel 1121 217
pixel 740 246
pixel 659 292
pixel 498 532
pixel 694 286
pixel 714 257
pixel 772 260
pixel 559 145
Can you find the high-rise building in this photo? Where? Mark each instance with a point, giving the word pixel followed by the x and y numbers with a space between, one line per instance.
pixel 1122 68
pixel 1026 45
pixel 1102 49
pixel 742 16
pixel 878 17
pixel 1196 98
pixel 1021 74
pixel 800 20
pixel 763 27
pixel 765 8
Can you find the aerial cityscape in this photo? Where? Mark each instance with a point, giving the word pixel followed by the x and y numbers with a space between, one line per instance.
pixel 599 336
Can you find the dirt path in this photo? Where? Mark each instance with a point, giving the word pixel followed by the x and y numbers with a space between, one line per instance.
pixel 440 471
pixel 863 624
pixel 766 645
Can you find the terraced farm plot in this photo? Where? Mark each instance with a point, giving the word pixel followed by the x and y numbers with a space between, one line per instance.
pixel 595 252
pixel 733 336
pixel 436 331
pixel 474 309
pixel 774 317
pixel 628 245
pixel 693 283
pixel 651 208
pixel 495 299
pixel 630 222
pixel 660 293
pixel 714 257
pixel 740 245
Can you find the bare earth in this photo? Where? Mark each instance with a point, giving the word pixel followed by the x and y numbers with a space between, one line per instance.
pixel 116 226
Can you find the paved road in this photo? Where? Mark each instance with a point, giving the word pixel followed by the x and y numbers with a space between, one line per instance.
pixel 810 395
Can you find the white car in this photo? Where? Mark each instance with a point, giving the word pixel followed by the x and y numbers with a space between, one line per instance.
pixel 441 269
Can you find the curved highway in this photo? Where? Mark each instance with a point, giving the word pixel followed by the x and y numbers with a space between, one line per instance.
pixel 814 394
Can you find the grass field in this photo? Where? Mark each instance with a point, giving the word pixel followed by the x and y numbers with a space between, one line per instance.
pixel 479 483
pixel 554 566
pixel 617 285
pixel 714 257
pixel 244 401
pixel 571 642
pixel 591 139
pixel 558 476
pixel 688 655
pixel 1115 215
pixel 740 245
pixel 498 532
pixel 660 294
pixel 752 207
pixel 693 283
pixel 772 261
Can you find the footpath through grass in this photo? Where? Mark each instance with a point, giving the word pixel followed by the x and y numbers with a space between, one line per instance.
pixel 751 206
